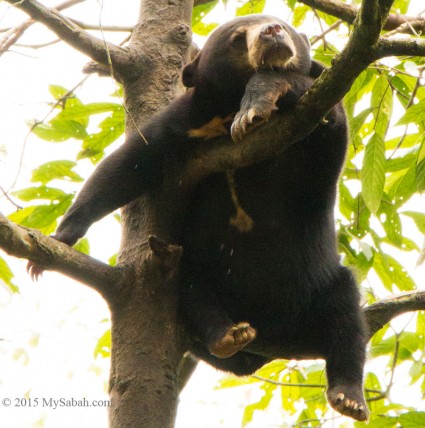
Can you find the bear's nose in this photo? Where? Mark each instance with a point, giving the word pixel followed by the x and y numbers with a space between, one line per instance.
pixel 272 30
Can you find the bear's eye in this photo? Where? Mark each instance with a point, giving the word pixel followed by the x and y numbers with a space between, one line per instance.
pixel 239 37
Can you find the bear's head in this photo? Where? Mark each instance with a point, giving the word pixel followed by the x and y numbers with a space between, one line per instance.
pixel 237 49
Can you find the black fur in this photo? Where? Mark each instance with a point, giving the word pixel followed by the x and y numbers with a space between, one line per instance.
pixel 283 276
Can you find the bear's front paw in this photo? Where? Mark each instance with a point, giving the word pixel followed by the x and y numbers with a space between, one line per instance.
pixel 349 401
pixel 235 338
pixel 249 118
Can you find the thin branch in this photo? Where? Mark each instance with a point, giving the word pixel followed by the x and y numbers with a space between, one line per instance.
pixel 307 385
pixel 334 26
pixel 6 195
pixel 14 34
pixel 380 313
pixel 97 49
pixel 278 383
pixel 97 27
pixel 38 46
pixel 61 100
pixel 415 27
pixel 31 244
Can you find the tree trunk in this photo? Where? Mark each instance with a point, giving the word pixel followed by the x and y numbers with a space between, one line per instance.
pixel 148 341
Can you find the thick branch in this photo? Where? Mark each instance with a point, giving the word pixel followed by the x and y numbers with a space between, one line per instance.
pixel 340 10
pixel 399 47
pixel 348 13
pixel 380 313
pixel 70 33
pixel 47 252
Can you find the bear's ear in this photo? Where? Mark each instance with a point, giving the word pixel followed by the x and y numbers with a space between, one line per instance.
pixel 189 72
pixel 316 69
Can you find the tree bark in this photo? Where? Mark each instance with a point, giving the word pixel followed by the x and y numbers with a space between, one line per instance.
pixel 148 340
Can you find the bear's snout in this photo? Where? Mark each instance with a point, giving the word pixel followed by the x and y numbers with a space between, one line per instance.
pixel 271 30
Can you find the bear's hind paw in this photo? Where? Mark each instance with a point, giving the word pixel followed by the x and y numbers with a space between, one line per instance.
pixel 235 338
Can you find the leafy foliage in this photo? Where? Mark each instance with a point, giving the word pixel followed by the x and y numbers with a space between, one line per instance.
pixel 377 222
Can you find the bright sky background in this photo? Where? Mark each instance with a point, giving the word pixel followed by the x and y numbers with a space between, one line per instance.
pixel 63 319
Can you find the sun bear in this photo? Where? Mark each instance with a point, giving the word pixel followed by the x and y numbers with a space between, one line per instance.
pixel 274 288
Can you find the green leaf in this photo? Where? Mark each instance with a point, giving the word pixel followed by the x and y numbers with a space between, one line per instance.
pixel 360 225
pixel 392 273
pixel 83 246
pixel 315 376
pixel 357 122
pixel 290 395
pixel 361 86
pixel 103 346
pixel 300 13
pixel 61 169
pixel 58 91
pixel 372 382
pixel 268 389
pixel 325 56
pixel 347 204
pixel 252 6
pixel 415 371
pixel 361 261
pixel 58 131
pixel 83 111
pixel 42 217
pixel 409 140
pixel 234 381
pixel 111 127
pixel 400 6
pixel 373 173
pixel 409 343
pixel 390 221
pixel 41 192
pixel 291 3
pixel 404 85
pixel 384 347
pixel 404 187
pixel 113 260
pixel 6 276
pixel 378 422
pixel 420 176
pixel 272 369
pixel 400 163
pixel 418 218
pixel 382 104
pixel 414 114
pixel 199 12
pixel 412 420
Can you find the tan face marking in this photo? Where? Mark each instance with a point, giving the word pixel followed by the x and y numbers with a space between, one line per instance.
pixel 261 54
pixel 216 127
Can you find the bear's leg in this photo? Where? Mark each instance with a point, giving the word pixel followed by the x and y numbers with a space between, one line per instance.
pixel 206 315
pixel 241 364
pixel 344 342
